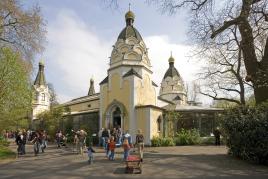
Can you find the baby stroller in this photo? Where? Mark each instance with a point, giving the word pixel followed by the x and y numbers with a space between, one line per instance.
pixel 133 164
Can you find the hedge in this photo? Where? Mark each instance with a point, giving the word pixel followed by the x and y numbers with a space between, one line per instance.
pixel 246 132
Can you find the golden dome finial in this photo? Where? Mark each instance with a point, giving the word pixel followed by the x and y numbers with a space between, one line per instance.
pixel 171 59
pixel 92 79
pixel 41 62
pixel 129 16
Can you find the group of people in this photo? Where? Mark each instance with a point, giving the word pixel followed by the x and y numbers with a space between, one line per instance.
pixel 60 139
pixel 104 134
pixel 80 140
pixel 38 138
pixel 110 141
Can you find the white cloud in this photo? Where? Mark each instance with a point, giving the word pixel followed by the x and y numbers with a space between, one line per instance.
pixel 75 53
pixel 159 52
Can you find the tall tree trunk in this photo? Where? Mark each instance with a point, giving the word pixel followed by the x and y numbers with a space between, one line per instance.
pixel 255 71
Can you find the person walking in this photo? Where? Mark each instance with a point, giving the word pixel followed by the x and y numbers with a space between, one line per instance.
pixel 128 137
pixel 90 152
pixel 140 143
pixel 126 148
pixel 35 142
pixel 217 135
pixel 112 148
pixel 105 137
pixel 82 140
pixel 19 142
pixel 24 141
pixel 59 138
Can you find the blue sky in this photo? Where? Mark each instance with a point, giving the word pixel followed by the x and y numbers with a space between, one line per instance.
pixel 80 35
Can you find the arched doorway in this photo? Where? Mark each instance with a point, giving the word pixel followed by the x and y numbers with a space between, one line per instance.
pixel 116 118
pixel 115 115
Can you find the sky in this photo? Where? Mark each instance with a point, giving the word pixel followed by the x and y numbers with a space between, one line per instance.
pixel 81 33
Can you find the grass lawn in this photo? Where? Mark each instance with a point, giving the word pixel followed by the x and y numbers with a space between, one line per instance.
pixel 6 153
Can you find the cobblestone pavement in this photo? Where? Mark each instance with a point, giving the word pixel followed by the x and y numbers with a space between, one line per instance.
pixel 196 162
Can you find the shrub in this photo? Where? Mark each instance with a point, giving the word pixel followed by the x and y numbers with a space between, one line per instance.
pixel 3 142
pixel 187 137
pixel 245 130
pixel 159 141
pixel 5 152
pixel 207 140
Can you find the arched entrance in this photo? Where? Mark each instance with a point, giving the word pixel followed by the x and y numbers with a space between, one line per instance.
pixel 115 115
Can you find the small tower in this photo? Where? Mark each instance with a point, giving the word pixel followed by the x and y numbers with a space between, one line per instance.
pixel 172 87
pixel 91 90
pixel 41 95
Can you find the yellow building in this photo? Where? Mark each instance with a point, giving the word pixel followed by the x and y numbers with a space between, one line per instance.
pixel 128 96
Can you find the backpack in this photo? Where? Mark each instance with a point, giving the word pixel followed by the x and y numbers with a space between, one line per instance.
pixel 140 138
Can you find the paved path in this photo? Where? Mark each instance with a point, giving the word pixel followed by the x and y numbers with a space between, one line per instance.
pixel 195 162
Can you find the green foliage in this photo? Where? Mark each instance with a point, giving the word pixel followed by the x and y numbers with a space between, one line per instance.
pixel 187 137
pixel 210 141
pixel 207 141
pixel 5 152
pixel 160 141
pixel 171 117
pixel 3 142
pixel 51 120
pixel 22 29
pixel 245 130
pixel 15 89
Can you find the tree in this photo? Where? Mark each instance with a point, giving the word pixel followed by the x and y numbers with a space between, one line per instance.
pixel 51 120
pixel 22 30
pixel 223 74
pixel 53 95
pixel 211 23
pixel 192 91
pixel 15 88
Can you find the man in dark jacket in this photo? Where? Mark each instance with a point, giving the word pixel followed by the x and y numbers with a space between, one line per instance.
pixel 217 135
pixel 19 142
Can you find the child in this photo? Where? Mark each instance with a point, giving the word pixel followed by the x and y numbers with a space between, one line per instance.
pixel 126 147
pixel 107 148
pixel 90 152
pixel 111 148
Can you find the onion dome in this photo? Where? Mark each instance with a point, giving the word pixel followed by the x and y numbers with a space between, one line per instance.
pixel 171 59
pixel 129 30
pixel 172 71
pixel 40 78
pixel 172 87
pixel 130 15
pixel 129 49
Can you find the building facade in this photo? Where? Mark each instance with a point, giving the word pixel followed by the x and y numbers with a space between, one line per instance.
pixel 41 94
pixel 128 96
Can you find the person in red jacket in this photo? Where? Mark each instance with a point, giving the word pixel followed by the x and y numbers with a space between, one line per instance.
pixel 112 148
pixel 126 147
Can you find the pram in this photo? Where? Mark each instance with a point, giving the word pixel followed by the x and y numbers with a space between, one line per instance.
pixel 133 163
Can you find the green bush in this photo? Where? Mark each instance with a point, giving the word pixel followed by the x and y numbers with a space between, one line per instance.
pixel 207 140
pixel 245 130
pixel 210 141
pixel 187 137
pixel 3 142
pixel 5 152
pixel 159 141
